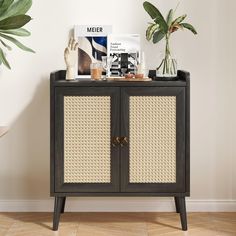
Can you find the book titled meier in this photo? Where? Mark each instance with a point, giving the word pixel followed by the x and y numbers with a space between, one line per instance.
pixel 92 41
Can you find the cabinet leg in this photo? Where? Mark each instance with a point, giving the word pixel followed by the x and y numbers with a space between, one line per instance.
pixel 177 204
pixel 63 205
pixel 57 211
pixel 183 214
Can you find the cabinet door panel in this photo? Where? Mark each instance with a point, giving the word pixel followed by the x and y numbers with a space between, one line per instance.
pixel 86 121
pixel 154 121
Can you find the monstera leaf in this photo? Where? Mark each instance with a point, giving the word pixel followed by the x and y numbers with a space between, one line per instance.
pixel 12 18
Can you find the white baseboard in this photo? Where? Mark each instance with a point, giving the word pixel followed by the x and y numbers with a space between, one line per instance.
pixel 117 205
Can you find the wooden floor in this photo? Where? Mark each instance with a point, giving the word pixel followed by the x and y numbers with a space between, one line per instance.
pixel 117 224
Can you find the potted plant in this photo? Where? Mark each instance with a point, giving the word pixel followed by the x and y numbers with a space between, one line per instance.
pixel 162 28
pixel 12 18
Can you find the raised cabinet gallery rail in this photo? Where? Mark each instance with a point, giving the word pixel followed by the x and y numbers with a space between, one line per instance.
pixel 120 139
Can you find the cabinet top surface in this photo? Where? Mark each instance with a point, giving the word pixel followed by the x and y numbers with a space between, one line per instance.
pixel 58 80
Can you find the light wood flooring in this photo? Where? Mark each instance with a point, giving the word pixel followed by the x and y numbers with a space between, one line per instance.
pixel 117 224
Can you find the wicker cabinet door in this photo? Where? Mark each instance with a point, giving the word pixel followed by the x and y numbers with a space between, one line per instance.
pixel 86 121
pixel 153 125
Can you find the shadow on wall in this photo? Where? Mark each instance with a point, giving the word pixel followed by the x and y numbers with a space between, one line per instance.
pixel 24 151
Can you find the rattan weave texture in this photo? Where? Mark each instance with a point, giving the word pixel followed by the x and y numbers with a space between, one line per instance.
pixel 87 139
pixel 152 139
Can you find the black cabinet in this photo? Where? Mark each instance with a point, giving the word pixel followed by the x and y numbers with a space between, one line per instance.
pixel 119 139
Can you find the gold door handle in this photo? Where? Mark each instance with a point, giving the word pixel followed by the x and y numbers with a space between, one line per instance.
pixel 124 141
pixel 115 141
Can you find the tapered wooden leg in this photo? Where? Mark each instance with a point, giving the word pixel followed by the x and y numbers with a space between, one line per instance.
pixel 57 211
pixel 177 204
pixel 183 214
pixel 63 205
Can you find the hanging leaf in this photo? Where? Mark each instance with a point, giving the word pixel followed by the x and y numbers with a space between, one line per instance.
pixel 18 32
pixel 169 18
pixel 5 45
pixel 20 7
pixel 178 20
pixel 17 43
pixel 5 5
pixel 189 27
pixel 3 59
pixel 158 36
pixel 150 31
pixel 156 16
pixel 14 22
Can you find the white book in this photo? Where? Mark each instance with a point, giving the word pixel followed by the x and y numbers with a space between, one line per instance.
pixel 125 50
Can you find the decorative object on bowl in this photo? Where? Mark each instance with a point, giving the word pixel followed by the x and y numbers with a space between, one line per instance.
pixel 129 76
pixel 12 18
pixel 139 76
pixel 162 29
pixel 70 56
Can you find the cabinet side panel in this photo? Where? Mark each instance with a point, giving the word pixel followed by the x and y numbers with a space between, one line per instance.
pixel 87 139
pixel 152 139
pixel 52 135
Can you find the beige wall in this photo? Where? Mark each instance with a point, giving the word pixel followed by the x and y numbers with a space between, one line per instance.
pixel 210 57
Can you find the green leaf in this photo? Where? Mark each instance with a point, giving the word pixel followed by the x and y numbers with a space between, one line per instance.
pixel 156 16
pixel 169 18
pixel 18 32
pixel 19 7
pixel 5 5
pixel 150 9
pixel 158 36
pixel 189 27
pixel 5 45
pixel 17 43
pixel 150 31
pixel 3 59
pixel 14 22
pixel 178 20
